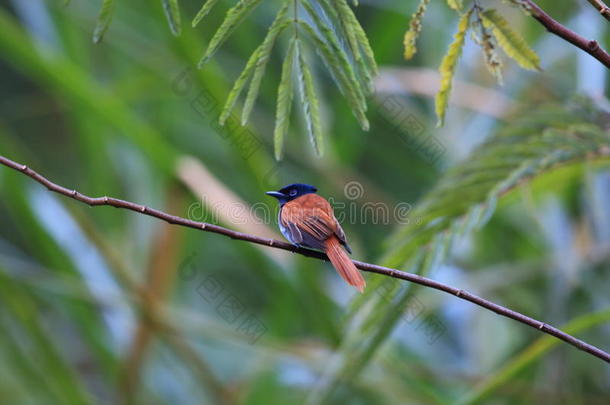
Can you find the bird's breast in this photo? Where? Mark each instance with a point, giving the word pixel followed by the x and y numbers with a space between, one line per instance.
pixel 283 229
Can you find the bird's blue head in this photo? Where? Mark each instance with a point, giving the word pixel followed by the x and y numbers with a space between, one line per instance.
pixel 292 191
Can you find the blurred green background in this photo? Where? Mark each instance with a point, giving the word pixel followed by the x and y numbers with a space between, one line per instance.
pixel 104 306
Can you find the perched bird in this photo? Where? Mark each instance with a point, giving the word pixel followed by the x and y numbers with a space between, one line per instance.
pixel 306 219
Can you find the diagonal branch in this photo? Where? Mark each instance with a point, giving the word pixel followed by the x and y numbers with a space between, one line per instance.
pixel 590 46
pixel 373 268
pixel 601 7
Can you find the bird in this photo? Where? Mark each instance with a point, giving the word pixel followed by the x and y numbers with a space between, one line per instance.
pixel 307 220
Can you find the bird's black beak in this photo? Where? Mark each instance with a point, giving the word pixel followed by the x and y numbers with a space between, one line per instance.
pixel 275 194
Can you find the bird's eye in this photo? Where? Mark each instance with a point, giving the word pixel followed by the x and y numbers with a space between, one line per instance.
pixel 293 193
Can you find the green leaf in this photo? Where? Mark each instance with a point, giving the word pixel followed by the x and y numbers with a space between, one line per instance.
pixel 334 66
pixel 364 43
pixel 239 84
pixel 448 65
pixel 359 44
pixel 348 57
pixel 414 30
pixel 330 37
pixel 511 42
pixel 348 26
pixel 278 25
pixel 103 20
pixel 309 101
pixel 284 100
pixel 203 11
pixel 233 18
pixel 523 6
pixel 455 4
pixel 342 12
pixel 172 12
pixel 486 42
pixel 469 192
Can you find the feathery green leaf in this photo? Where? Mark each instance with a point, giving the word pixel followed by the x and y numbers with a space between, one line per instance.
pixel 172 12
pixel 284 100
pixel 523 5
pixel 511 42
pixel 455 4
pixel 487 44
pixel 365 44
pixel 343 18
pixel 103 20
pixel 238 86
pixel 203 11
pixel 334 66
pixel 309 101
pixel 330 37
pixel 278 25
pixel 527 148
pixel 414 30
pixel 234 16
pixel 358 43
pixel 341 11
pixel 448 65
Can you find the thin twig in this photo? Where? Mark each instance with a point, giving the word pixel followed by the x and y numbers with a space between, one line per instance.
pixel 373 268
pixel 590 46
pixel 601 7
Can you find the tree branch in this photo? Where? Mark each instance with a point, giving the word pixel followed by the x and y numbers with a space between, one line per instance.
pixel 553 26
pixel 601 7
pixel 373 268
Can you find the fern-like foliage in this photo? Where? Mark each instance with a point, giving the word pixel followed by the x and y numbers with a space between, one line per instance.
pixel 263 56
pixel 448 65
pixel 284 100
pixel 239 85
pixel 511 42
pixel 488 29
pixel 464 199
pixel 234 17
pixel 345 80
pixel 203 11
pixel 309 101
pixel 172 13
pixel 455 4
pixel 335 33
pixel 414 30
pixel 467 195
pixel 330 26
pixel 488 44
pixel 103 20
pixel 170 8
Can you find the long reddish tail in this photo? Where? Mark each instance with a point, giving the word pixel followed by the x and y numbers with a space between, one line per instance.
pixel 343 264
